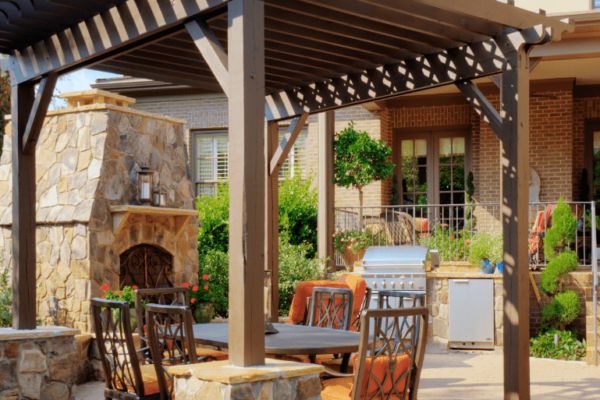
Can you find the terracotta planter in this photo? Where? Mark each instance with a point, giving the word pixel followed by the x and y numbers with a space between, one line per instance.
pixel 350 258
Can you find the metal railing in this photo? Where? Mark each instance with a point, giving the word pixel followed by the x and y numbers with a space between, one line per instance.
pixel 451 229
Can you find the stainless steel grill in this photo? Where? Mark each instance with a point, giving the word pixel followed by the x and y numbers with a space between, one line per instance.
pixel 397 268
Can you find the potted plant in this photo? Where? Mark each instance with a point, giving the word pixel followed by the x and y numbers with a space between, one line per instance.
pixel 126 294
pixel 351 245
pixel 201 302
pixel 486 250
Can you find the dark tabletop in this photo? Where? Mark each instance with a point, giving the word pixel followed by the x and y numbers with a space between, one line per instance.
pixel 291 339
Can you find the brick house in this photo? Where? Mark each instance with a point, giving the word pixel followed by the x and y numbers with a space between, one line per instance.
pixel 564 133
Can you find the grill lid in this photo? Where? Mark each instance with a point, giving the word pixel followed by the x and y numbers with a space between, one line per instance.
pixel 390 256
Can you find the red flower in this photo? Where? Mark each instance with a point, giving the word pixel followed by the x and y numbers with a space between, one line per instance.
pixel 186 285
pixel 195 288
pixel 135 287
pixel 466 242
pixel 451 237
pixel 104 288
pixel 193 300
pixel 102 295
pixel 120 293
pixel 205 277
pixel 205 287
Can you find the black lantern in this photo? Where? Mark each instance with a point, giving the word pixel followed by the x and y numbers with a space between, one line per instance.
pixel 145 185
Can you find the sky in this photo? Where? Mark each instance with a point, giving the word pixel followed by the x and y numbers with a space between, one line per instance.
pixel 78 80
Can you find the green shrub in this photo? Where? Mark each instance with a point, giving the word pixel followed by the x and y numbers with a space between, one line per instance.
pixel 213 271
pixel 569 348
pixel 359 240
pixel 213 212
pixel 298 201
pixel 556 270
pixel 562 232
pixel 563 309
pixel 488 245
pixel 450 245
pixel 5 297
pixel 294 267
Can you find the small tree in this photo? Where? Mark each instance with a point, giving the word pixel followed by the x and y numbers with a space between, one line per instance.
pixel 360 160
pixel 565 305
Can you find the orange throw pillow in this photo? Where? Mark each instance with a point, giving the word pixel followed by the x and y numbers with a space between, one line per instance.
pixel 380 371
pixel 303 291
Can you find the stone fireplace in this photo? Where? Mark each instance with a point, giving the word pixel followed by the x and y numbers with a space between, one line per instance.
pixel 91 228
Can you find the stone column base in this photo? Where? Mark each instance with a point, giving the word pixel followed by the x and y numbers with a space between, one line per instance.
pixel 38 364
pixel 277 380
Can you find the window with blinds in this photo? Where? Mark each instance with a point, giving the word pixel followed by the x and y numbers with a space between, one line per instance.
pixel 296 161
pixel 211 159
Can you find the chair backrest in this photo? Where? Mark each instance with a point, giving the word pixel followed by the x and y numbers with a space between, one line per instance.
pixel 112 320
pixel 392 299
pixel 171 338
pixel 331 308
pixel 384 350
pixel 364 306
pixel 177 296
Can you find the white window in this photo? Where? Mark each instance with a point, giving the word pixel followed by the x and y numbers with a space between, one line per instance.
pixel 211 159
pixel 296 161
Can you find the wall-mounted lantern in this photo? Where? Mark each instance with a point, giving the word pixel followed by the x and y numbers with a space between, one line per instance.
pixel 145 185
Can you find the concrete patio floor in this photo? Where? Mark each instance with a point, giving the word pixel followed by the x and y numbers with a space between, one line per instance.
pixel 470 376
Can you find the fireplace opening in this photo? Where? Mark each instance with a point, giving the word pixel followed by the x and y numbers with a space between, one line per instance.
pixel 146 266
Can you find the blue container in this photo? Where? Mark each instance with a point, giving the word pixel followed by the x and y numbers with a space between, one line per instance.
pixel 500 267
pixel 486 267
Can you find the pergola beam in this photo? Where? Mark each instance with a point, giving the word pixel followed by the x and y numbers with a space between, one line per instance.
pixel 482 106
pixel 287 142
pixel 505 14
pixel 447 67
pixel 90 40
pixel 212 51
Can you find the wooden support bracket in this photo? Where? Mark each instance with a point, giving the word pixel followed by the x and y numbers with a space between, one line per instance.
pixel 287 142
pixel 38 113
pixel 481 104
pixel 121 215
pixel 212 51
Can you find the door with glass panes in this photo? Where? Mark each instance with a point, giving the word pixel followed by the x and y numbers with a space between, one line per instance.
pixel 432 170
pixel 592 157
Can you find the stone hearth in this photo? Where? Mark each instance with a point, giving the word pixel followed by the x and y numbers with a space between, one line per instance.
pixel 87 162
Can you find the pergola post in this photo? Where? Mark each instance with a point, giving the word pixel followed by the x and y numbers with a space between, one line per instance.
pixel 326 218
pixel 514 100
pixel 272 218
pixel 246 182
pixel 23 209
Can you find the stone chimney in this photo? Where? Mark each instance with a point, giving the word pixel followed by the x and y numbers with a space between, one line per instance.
pixel 91 228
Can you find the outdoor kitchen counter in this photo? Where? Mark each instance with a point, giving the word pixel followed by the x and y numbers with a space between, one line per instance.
pixel 475 274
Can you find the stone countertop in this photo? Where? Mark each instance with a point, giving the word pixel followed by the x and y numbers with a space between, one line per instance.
pixel 41 332
pixel 460 272
pixel 222 372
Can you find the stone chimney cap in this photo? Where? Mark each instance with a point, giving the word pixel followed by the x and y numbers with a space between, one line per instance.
pixel 95 96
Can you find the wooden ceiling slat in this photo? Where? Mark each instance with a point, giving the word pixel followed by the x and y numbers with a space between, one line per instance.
pixel 399 19
pixel 285 12
pixel 434 14
pixel 352 57
pixel 167 71
pixel 199 69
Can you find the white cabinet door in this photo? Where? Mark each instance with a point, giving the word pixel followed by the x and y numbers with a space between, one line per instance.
pixel 471 313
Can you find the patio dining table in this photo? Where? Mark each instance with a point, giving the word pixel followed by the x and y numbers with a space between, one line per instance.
pixel 291 340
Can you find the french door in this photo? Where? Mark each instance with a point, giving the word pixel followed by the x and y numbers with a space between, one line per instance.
pixel 432 169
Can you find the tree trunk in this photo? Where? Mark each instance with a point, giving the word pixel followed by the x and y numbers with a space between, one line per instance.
pixel 360 210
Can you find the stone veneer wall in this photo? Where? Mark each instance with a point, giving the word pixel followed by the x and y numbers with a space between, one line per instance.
pixel 38 368
pixel 437 303
pixel 87 159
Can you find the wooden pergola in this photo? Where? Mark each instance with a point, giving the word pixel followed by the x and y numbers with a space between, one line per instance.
pixel 278 60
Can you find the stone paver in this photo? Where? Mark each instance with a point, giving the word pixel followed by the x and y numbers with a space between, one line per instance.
pixel 471 376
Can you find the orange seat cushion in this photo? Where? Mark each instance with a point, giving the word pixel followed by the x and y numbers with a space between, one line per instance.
pixel 380 371
pixel 422 224
pixel 359 287
pixel 148 377
pixel 341 389
pixel 303 291
pixel 219 355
